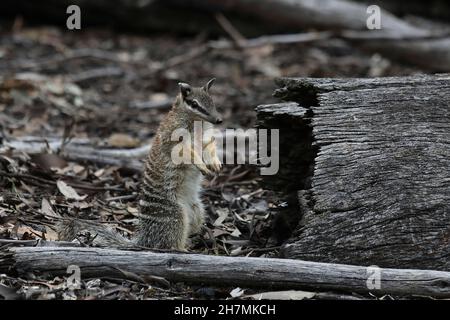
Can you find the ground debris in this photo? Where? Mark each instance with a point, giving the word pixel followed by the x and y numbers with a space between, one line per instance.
pixel 114 89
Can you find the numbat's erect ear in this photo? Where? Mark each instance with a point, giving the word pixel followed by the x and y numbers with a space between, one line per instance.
pixel 185 89
pixel 209 84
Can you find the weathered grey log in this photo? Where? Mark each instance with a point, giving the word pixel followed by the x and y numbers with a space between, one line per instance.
pixel 220 270
pixel 305 90
pixel 86 150
pixel 82 150
pixel 343 15
pixel 378 189
pixel 134 15
pixel 439 9
pixel 37 243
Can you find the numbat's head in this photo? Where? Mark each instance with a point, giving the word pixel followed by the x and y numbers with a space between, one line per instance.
pixel 199 103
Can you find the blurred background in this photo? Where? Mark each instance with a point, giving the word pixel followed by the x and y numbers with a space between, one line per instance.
pixel 129 54
pixel 81 106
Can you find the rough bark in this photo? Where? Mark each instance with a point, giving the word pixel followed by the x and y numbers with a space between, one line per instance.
pixel 225 271
pixel 379 190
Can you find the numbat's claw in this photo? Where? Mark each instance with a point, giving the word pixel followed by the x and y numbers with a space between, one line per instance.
pixel 204 170
pixel 215 166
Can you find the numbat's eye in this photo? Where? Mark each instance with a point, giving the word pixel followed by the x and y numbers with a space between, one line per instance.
pixel 195 104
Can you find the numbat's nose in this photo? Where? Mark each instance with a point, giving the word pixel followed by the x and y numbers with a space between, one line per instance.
pixel 219 120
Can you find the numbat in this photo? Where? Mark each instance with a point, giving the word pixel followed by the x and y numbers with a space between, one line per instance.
pixel 170 205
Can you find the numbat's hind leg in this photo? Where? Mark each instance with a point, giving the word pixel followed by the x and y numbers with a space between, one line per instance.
pixel 164 232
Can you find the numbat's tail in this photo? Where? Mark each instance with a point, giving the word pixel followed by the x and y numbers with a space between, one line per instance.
pixel 91 233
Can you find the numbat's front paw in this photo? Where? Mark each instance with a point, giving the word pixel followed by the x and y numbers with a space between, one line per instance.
pixel 204 170
pixel 215 165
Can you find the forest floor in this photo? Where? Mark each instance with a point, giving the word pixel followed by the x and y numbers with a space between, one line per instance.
pixel 113 89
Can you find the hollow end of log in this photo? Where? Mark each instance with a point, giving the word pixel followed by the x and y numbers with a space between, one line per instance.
pixel 365 164
pixel 296 153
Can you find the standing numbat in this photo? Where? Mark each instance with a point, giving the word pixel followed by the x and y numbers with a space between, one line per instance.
pixel 170 205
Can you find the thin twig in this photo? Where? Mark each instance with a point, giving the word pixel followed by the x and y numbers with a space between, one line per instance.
pixel 162 104
pixel 53 183
pixel 234 33
pixel 96 73
pixel 125 197
pixel 250 250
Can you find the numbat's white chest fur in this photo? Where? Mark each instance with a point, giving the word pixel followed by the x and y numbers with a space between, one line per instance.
pixel 189 192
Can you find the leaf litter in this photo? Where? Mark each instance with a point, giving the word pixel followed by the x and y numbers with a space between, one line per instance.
pixel 46 92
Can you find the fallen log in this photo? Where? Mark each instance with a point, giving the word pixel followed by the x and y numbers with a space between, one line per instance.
pixel 439 9
pixel 130 15
pixel 37 243
pixel 221 270
pixel 343 15
pixel 85 150
pixel 370 162
pixel 80 150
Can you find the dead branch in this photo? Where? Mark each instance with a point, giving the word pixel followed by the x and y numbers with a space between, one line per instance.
pixel 340 15
pixel 221 270
pixel 97 73
pixel 37 243
pixel 86 150
pixel 159 104
pixel 81 150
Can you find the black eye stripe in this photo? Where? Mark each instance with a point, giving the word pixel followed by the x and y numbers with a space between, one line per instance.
pixel 195 105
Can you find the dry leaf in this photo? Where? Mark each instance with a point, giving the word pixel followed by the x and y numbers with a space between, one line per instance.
pixel 46 208
pixel 236 233
pixel 132 210
pixel 99 172
pixel 26 233
pixel 48 160
pixel 236 251
pixel 159 97
pixel 223 214
pixel 50 234
pixel 236 292
pixel 282 295
pixel 219 232
pixel 81 205
pixel 122 140
pixel 78 169
pixel 68 191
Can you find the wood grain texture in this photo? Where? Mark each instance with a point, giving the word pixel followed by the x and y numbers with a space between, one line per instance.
pixel 380 187
pixel 225 271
